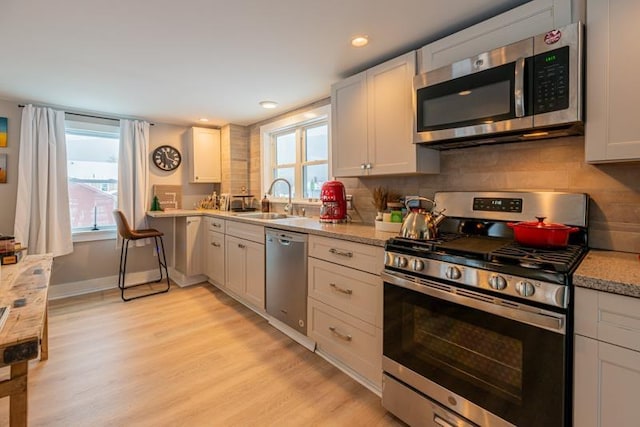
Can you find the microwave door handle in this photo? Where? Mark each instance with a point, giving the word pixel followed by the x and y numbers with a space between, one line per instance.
pixel 518 91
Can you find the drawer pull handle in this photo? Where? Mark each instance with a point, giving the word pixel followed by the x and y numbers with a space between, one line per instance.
pixel 339 289
pixel 241 246
pixel 215 245
pixel 339 335
pixel 216 225
pixel 341 253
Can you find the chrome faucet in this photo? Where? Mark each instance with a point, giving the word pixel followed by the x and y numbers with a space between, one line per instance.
pixel 270 191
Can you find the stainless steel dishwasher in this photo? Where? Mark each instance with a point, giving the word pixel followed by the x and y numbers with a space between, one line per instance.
pixel 286 281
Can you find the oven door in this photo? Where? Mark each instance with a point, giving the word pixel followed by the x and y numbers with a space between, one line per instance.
pixel 490 362
pixel 477 96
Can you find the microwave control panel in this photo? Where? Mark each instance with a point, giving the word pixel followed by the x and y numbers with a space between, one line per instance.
pixel 551 81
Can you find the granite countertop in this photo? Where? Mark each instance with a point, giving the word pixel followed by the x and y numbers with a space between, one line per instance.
pixel 355 232
pixel 610 271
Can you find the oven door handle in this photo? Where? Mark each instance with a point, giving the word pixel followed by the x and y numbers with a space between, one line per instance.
pixel 549 320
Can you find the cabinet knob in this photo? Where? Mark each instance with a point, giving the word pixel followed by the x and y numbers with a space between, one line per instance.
pixel 363 166
pixel 241 246
pixel 369 166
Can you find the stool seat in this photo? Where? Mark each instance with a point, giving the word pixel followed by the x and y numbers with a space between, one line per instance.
pixel 128 234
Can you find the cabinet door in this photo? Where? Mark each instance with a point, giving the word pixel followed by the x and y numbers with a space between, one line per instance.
pixel 235 264
pixel 349 126
pixel 204 161
pixel 606 385
pixel 527 20
pixel 390 113
pixel 254 285
pixel 612 129
pixel 194 249
pixel 215 257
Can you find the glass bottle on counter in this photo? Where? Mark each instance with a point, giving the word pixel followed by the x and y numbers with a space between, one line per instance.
pixel 265 204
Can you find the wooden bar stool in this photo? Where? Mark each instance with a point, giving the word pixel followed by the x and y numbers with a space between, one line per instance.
pixel 127 235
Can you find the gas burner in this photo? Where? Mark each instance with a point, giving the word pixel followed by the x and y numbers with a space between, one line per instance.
pixel 530 264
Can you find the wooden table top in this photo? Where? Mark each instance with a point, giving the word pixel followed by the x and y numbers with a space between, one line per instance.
pixel 27 280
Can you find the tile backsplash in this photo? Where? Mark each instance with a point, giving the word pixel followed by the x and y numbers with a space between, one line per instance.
pixel 543 165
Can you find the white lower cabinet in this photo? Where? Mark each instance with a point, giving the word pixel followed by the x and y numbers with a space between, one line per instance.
pixel 215 251
pixel 607 360
pixel 356 343
pixel 189 257
pixel 244 263
pixel 345 305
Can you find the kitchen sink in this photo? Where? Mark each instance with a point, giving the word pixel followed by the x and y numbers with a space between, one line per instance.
pixel 265 215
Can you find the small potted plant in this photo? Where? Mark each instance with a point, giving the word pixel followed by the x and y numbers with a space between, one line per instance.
pixel 379 201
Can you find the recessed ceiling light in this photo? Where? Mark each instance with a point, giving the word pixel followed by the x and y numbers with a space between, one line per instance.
pixel 204 119
pixel 359 41
pixel 268 104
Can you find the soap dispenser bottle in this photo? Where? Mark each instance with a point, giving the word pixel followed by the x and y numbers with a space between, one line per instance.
pixel 265 204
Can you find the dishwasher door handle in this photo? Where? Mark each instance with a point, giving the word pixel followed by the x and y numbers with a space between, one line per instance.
pixel 284 242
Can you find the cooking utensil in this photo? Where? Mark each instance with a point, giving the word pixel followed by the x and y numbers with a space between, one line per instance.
pixel 420 224
pixel 540 234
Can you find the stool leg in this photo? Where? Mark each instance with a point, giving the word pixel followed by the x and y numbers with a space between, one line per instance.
pixel 155 239
pixel 164 260
pixel 123 267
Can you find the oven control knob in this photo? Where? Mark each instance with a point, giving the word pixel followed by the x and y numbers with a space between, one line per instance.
pixel 453 273
pixel 497 282
pixel 524 288
pixel 401 262
pixel 417 265
pixel 388 259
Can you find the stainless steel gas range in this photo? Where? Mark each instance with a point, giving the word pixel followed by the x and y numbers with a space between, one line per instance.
pixel 477 329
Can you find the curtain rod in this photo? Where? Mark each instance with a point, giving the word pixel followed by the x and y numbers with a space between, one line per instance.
pixel 90 116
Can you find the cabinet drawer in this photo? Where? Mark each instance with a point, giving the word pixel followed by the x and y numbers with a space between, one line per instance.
pixel 352 291
pixel 352 341
pixel 242 230
pixel 355 255
pixel 608 317
pixel 216 224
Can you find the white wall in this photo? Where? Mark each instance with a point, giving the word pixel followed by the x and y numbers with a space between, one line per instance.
pixel 95 264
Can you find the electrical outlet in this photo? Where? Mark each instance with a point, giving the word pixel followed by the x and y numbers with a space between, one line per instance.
pixel 349 202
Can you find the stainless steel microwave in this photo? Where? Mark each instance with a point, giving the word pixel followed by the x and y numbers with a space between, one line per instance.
pixel 526 90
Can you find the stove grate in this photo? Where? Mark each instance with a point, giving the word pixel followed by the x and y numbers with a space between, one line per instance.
pixel 560 260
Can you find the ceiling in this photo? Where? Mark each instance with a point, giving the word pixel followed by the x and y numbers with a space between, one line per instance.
pixel 175 62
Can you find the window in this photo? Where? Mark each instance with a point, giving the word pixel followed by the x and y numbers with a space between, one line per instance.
pixel 92 169
pixel 298 150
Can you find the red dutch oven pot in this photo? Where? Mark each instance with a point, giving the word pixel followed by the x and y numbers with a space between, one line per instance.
pixel 540 234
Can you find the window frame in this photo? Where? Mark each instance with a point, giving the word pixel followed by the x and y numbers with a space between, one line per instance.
pixel 89 126
pixel 298 123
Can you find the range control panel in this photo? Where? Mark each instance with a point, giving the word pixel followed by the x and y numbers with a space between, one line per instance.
pixel 497 204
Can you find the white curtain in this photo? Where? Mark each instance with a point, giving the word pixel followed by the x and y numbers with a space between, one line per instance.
pixel 133 172
pixel 43 220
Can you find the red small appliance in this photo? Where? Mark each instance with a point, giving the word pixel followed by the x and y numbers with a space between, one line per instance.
pixel 334 202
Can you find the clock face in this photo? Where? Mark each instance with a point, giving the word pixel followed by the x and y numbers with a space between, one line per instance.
pixel 166 158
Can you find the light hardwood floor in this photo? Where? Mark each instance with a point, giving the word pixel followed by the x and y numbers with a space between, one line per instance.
pixel 191 357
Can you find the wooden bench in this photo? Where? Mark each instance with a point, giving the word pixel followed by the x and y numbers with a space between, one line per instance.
pixel 23 288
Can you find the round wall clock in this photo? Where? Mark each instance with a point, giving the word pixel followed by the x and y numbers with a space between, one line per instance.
pixel 166 157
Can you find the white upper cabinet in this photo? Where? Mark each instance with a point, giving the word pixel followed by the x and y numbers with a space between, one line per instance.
pixel 612 128
pixel 204 160
pixel 530 19
pixel 372 123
